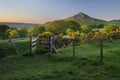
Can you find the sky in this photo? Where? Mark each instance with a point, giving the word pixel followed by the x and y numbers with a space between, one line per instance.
pixel 41 11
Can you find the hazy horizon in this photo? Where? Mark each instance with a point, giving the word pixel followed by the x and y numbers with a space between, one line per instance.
pixel 41 11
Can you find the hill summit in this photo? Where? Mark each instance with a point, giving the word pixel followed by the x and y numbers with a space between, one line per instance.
pixel 79 17
pixel 82 17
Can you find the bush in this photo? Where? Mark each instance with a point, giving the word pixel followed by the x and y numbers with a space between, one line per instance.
pixel 45 34
pixel 6 50
pixel 113 35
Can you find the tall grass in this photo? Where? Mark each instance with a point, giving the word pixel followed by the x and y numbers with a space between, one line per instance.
pixel 85 65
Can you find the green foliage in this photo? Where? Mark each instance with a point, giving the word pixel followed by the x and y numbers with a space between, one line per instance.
pixel 38 29
pixel 61 41
pixel 5 49
pixel 111 27
pixel 98 36
pixel 45 34
pixel 69 31
pixel 75 26
pixel 22 32
pixel 95 35
pixel 74 35
pixel 14 34
pixel 56 27
pixel 43 42
pixel 101 26
pixel 7 33
pixel 86 28
pixel 83 38
pixel 8 50
pixel 3 29
pixel 85 66
pixel 112 32
pixel 113 35
pixel 97 25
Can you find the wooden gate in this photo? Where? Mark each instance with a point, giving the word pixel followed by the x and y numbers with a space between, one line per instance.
pixel 43 45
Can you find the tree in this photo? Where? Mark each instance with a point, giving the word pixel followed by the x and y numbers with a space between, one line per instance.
pixel 113 35
pixel 98 36
pixel 94 25
pixel 38 29
pixel 83 37
pixel 86 28
pixel 3 29
pixel 14 34
pixel 22 32
pixel 56 27
pixel 30 32
pixel 7 33
pixel 45 34
pixel 68 31
pixel 111 27
pixel 100 25
pixel 74 37
pixel 73 25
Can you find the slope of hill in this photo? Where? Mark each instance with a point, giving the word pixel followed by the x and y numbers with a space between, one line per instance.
pixel 83 18
pixel 115 22
pixel 18 25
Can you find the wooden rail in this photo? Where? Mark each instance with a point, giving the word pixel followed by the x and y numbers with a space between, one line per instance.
pixel 33 44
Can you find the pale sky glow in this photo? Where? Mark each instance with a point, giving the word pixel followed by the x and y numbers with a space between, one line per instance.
pixel 41 11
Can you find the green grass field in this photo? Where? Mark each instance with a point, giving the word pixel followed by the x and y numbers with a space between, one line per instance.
pixel 85 65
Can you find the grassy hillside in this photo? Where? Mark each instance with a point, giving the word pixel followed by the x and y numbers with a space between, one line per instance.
pixel 7 49
pixel 117 22
pixel 85 66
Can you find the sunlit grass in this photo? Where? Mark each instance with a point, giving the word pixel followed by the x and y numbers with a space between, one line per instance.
pixel 85 65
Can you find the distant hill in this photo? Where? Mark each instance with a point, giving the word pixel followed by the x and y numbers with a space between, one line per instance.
pixel 80 17
pixel 18 25
pixel 83 18
pixel 115 22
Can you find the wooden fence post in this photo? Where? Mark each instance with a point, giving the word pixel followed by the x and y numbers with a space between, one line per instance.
pixel 51 40
pixel 101 51
pixel 30 45
pixel 37 44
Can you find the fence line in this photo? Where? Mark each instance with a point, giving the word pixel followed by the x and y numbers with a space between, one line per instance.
pixel 52 45
pixel 33 44
pixel 13 44
pixel 43 44
pixel 14 39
